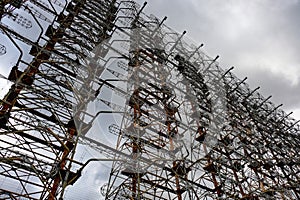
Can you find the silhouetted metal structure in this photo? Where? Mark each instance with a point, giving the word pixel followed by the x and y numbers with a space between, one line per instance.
pixel 183 127
pixel 38 133
pixel 2 50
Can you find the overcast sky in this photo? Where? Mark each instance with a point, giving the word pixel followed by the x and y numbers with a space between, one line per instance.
pixel 259 37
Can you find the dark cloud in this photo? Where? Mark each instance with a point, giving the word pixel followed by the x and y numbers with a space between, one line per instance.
pixel 277 85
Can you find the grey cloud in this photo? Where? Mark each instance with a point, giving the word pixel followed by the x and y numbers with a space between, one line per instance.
pixel 277 85
pixel 259 38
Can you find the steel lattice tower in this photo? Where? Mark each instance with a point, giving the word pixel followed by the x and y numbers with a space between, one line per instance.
pixel 182 127
pixel 38 133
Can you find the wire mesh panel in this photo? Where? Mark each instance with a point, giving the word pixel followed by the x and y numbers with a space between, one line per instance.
pixel 165 118
pixel 38 133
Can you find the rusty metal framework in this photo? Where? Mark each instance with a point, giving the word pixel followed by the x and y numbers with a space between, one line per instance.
pixel 38 133
pixel 95 73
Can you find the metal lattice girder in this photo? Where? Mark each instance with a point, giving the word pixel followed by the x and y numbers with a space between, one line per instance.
pixel 245 132
pixel 188 129
pixel 38 134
